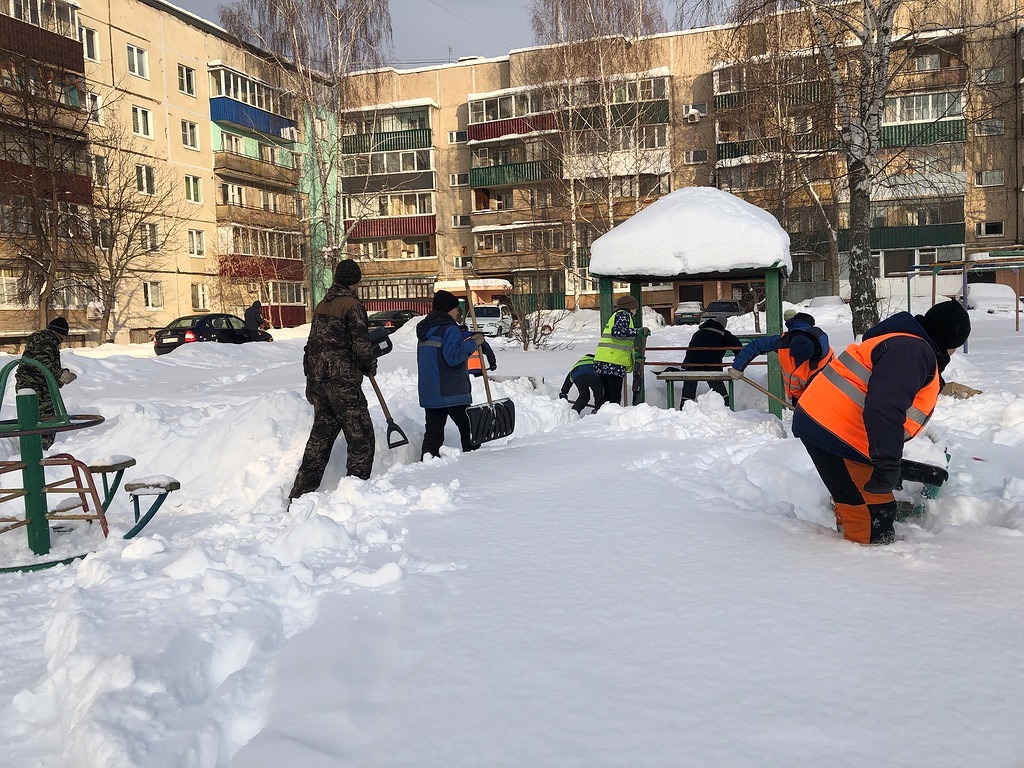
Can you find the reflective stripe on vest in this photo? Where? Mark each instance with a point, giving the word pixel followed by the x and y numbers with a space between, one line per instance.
pixel 611 349
pixel 836 398
pixel 429 343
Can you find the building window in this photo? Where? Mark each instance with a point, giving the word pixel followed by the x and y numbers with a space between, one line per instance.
pixel 420 249
pixel 922 107
pixel 153 295
pixel 138 61
pixel 269 200
pixel 700 108
pixel 232 143
pixel 149 237
pixel 232 194
pixel 458 179
pixel 461 220
pixel 989 76
pixel 457 137
pixel 695 156
pixel 928 62
pixel 98 170
pixel 94 103
pixel 186 80
pixel 90 44
pixel 989 128
pixel 988 229
pixel 196 243
pixel 189 134
pixel 145 179
pixel 994 178
pixel 287 293
pixel 142 122
pixel 200 296
pixel 193 189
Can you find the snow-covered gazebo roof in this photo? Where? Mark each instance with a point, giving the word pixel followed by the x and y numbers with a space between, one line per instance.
pixel 692 231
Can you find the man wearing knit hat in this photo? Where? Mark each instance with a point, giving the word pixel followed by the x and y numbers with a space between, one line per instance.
pixel 855 415
pixel 44 347
pixel 705 352
pixel 614 356
pixel 441 362
pixel 337 357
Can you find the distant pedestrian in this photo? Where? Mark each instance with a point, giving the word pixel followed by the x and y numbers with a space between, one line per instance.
pixel 587 382
pixel 705 352
pixel 337 357
pixel 803 351
pixel 44 347
pixel 614 356
pixel 441 362
pixel 254 322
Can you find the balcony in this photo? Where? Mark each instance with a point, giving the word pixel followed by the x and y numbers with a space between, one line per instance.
pixel 730 150
pixel 254 169
pixel 512 174
pixel 254 216
pixel 919 134
pixel 42 45
pixel 930 80
pixel 248 267
pixel 924 236
pixel 513 126
pixel 633 113
pixel 226 110
pixel 17 179
pixel 392 226
pixel 385 141
pixel 398 267
pixel 421 181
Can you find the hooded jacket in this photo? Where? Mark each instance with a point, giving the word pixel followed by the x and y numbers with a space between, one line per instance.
pixel 711 333
pixel 901 367
pixel 441 359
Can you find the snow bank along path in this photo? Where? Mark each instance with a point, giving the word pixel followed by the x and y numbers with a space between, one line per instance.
pixel 637 587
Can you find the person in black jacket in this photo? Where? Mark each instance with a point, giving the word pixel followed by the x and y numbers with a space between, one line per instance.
pixel 706 352
pixel 254 321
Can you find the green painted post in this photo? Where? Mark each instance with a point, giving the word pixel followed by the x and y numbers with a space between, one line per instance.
pixel 636 290
pixel 773 311
pixel 607 299
pixel 32 475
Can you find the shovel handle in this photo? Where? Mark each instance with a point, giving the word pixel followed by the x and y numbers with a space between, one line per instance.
pixel 759 388
pixel 476 329
pixel 380 397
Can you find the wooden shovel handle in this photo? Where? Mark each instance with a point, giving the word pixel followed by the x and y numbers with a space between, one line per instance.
pixel 479 347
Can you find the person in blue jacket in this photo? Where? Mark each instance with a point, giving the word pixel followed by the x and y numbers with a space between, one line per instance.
pixel 444 387
pixel 803 351
pixel 586 380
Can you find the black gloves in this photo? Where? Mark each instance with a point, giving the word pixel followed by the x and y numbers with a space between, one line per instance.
pixel 563 396
pixel 885 476
pixel 492 366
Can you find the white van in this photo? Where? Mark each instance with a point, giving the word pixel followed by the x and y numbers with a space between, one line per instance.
pixel 493 319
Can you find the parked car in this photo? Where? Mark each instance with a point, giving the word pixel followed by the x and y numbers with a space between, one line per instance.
pixel 825 301
pixel 989 297
pixel 227 329
pixel 721 307
pixel 688 312
pixel 493 319
pixel 391 320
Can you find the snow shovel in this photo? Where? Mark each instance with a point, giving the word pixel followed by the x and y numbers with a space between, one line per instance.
pixel 396 437
pixel 759 388
pixel 497 418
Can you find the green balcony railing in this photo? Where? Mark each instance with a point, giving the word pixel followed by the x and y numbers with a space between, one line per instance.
pixel 635 113
pixel 919 134
pixel 385 141
pixel 924 236
pixel 733 149
pixel 514 173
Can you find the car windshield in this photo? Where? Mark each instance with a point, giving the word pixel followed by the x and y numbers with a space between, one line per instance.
pixel 722 306
pixel 487 312
pixel 185 322
pixel 380 316
pixel 689 306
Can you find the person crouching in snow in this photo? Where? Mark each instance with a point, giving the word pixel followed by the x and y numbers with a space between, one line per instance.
pixel 336 358
pixel 586 381
pixel 614 356
pixel 855 416
pixel 803 351
pixel 475 363
pixel 441 362
pixel 44 347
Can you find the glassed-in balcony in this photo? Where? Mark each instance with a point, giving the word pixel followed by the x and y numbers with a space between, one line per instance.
pixel 922 236
pixel 385 141
pixel 512 174
pixel 392 226
pixel 513 126
pixel 224 109
pixel 918 134
pixel 23 38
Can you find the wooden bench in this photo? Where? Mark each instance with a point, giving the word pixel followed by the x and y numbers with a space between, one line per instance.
pixel 159 486
pixel 107 467
pixel 671 377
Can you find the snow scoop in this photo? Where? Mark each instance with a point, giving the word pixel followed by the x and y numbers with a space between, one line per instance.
pixel 759 388
pixel 396 437
pixel 927 474
pixel 497 418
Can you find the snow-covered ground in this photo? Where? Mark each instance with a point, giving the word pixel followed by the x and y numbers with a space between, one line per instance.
pixel 635 588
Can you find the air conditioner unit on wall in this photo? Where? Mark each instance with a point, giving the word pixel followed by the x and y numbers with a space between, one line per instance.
pixel 692 116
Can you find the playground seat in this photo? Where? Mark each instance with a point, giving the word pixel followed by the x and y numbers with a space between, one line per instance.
pixel 112 465
pixel 158 486
pixel 8 494
pixel 79 484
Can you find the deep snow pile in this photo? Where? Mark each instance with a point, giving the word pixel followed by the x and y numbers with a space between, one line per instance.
pixel 637 587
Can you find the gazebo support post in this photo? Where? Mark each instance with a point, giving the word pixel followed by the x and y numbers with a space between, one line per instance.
pixel 773 312
pixel 637 292
pixel 607 299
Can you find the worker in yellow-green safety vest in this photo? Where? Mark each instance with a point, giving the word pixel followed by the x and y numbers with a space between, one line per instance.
pixel 614 357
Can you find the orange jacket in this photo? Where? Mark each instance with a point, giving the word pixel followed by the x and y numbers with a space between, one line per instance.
pixel 796 376
pixel 836 400
pixel 475 362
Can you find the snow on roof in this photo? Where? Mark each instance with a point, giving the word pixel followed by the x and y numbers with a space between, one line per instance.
pixel 656 72
pixel 480 283
pixel 425 101
pixel 689 232
pixel 515 225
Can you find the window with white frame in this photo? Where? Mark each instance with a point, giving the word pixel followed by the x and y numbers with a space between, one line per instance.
pixel 461 220
pixel 200 296
pixel 153 294
pixel 990 76
pixel 993 127
pixel 231 142
pixel 290 293
pixel 94 104
pixel 988 229
pixel 98 170
pixel 922 107
pixel 457 137
pixel 232 194
pixel 186 80
pixel 149 237
pixel 458 179
pixel 90 43
pixel 145 179
pixel 418 249
pixel 138 61
pixel 729 79
pixel 193 189
pixel 695 156
pixel 700 107
pixel 10 284
pixel 142 124
pixel 993 178
pixel 196 243
pixel 927 62
pixel 189 134
pixel 269 200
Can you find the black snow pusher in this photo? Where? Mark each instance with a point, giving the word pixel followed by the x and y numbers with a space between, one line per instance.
pixel 381 342
pixel 494 419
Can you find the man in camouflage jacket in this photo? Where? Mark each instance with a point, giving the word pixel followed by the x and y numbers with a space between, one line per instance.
pixel 337 356
pixel 44 347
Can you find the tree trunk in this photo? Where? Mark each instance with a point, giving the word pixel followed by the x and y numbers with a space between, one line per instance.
pixel 863 300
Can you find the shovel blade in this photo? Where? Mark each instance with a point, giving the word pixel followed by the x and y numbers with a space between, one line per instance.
pixel 491 421
pixel 929 474
pixel 396 437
